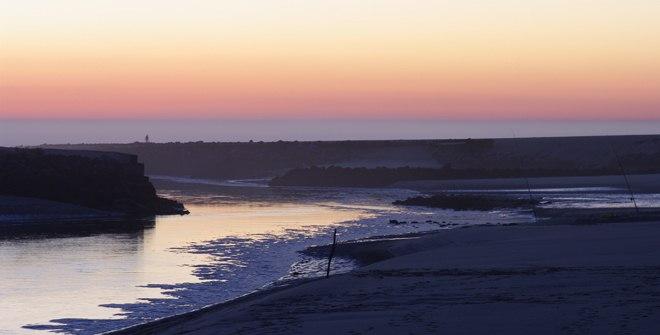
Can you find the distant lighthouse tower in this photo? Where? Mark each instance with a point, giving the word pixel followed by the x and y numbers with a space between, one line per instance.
pixel 146 139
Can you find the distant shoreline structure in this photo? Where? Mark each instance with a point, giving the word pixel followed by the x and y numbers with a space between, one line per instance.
pixel 334 176
pixel 245 160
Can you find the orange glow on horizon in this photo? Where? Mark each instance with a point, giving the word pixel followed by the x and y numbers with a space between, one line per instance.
pixel 310 59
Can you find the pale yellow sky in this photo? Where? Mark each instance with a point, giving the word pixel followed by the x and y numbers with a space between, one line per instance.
pixel 382 59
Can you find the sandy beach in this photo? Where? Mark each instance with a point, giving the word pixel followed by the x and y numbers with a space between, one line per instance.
pixel 553 279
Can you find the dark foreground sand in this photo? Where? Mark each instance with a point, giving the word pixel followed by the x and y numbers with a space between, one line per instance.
pixel 595 279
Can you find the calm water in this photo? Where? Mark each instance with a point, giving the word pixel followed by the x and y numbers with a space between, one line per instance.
pixel 236 239
pixel 81 279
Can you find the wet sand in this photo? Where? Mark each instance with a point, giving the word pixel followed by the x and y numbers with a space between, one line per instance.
pixel 549 279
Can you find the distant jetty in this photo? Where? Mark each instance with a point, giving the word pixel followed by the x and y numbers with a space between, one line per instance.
pixel 468 158
pixel 101 181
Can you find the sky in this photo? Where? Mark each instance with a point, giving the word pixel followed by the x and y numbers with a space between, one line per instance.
pixel 343 59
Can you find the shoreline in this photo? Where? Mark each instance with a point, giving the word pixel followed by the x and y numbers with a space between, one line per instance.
pixel 345 251
pixel 146 326
pixel 486 256
pixel 277 286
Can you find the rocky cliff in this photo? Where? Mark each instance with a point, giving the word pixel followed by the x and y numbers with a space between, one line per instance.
pixel 99 180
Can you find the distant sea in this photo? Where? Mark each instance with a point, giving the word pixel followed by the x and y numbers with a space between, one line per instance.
pixel 34 132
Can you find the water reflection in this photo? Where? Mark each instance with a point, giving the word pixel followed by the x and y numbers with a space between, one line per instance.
pixel 87 279
pixel 130 227
pixel 69 269
pixel 142 274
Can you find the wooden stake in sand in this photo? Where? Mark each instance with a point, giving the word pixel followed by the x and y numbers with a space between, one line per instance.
pixel 524 175
pixel 625 177
pixel 332 253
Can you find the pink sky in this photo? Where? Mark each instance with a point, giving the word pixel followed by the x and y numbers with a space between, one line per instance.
pixel 316 59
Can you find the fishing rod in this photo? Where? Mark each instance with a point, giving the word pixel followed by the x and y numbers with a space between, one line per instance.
pixel 524 175
pixel 625 177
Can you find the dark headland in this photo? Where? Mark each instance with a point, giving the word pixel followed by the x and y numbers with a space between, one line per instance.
pixel 34 182
pixel 452 158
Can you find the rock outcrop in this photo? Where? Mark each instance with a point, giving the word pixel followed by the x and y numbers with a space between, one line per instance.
pixel 100 180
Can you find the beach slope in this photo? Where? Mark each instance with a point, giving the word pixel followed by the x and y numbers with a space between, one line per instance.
pixel 591 279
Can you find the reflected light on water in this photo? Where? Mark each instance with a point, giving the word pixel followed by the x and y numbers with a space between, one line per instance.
pixel 70 276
